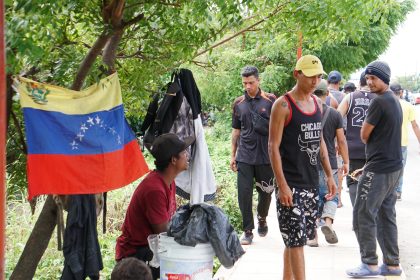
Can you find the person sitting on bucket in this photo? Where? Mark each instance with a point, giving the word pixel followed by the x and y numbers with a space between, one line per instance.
pixel 153 202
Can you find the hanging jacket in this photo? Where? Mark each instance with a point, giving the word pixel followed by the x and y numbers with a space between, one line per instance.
pixel 82 254
pixel 185 79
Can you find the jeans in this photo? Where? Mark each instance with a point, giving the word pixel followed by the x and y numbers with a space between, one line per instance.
pixel 264 182
pixel 352 184
pixel 327 208
pixel 374 217
pixel 404 155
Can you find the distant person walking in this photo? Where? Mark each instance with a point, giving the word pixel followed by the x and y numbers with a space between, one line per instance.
pixel 374 215
pixel 249 156
pixel 349 87
pixel 334 81
pixel 295 147
pixel 332 132
pixel 354 108
pixel 409 117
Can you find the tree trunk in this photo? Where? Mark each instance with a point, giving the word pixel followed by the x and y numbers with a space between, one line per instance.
pixel 37 242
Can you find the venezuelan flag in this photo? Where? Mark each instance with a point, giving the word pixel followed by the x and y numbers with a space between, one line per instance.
pixel 78 141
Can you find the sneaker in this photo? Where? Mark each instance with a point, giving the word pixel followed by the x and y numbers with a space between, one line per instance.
pixel 330 235
pixel 312 242
pixel 247 237
pixel 262 226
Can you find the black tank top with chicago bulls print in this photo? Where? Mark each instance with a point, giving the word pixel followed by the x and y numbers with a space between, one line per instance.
pixel 300 146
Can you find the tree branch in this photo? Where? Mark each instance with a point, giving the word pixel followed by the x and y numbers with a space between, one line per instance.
pixel 20 132
pixel 89 60
pixel 246 29
pixel 133 20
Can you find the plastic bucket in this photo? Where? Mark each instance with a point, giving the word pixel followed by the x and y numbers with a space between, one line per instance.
pixel 178 262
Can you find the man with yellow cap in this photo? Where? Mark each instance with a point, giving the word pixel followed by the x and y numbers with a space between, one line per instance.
pixel 295 146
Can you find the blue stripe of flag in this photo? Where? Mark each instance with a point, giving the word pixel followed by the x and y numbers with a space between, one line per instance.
pixel 95 133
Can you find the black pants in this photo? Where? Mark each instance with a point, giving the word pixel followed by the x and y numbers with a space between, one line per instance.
pixel 145 254
pixel 264 182
pixel 352 184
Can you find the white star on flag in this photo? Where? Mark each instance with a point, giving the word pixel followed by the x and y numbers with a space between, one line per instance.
pixel 83 128
pixel 80 136
pixel 90 120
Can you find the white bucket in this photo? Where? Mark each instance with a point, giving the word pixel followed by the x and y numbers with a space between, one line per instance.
pixel 179 262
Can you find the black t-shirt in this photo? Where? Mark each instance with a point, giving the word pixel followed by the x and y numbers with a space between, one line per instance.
pixel 252 147
pixel 300 146
pixel 383 149
pixel 333 122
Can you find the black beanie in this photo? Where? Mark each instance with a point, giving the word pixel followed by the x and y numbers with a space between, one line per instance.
pixel 380 69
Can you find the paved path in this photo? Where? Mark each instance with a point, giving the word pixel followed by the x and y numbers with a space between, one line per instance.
pixel 263 259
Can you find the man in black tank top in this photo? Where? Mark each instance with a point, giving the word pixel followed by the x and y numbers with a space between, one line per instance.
pixel 374 215
pixel 354 108
pixel 295 147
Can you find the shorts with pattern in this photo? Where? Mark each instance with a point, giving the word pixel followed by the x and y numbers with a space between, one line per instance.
pixel 298 223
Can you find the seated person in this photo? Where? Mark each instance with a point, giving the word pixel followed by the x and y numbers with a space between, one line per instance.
pixel 153 202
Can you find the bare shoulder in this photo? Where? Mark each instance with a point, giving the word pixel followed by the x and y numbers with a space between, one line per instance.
pixel 281 106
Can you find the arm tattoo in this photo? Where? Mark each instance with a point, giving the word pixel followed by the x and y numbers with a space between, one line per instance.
pixel 284 104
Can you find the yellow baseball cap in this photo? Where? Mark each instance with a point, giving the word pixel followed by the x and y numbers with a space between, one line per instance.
pixel 310 66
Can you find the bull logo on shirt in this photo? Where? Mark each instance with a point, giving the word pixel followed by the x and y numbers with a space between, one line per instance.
pixel 311 148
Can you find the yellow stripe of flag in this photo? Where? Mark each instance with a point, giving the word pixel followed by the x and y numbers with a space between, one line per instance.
pixel 104 95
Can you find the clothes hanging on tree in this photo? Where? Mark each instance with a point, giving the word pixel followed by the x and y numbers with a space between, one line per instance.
pixel 182 97
pixel 82 254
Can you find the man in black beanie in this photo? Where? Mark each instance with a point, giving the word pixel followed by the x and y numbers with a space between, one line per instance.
pixel 374 216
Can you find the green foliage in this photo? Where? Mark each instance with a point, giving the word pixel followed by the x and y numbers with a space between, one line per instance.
pixel 16 159
pixel 218 139
pixel 346 36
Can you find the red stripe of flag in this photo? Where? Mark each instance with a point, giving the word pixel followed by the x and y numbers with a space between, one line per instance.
pixel 85 174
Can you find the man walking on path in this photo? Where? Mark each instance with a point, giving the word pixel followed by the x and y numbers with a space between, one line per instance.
pixel 409 116
pixel 334 80
pixel 332 132
pixel 354 108
pixel 374 215
pixel 250 152
pixel 295 147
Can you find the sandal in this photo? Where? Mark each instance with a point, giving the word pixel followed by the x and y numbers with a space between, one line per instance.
pixel 330 235
pixel 385 271
pixel 362 270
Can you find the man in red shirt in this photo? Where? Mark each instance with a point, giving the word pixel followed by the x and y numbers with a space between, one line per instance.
pixel 153 202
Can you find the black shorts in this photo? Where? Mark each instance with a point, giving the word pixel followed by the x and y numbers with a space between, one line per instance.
pixel 298 223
